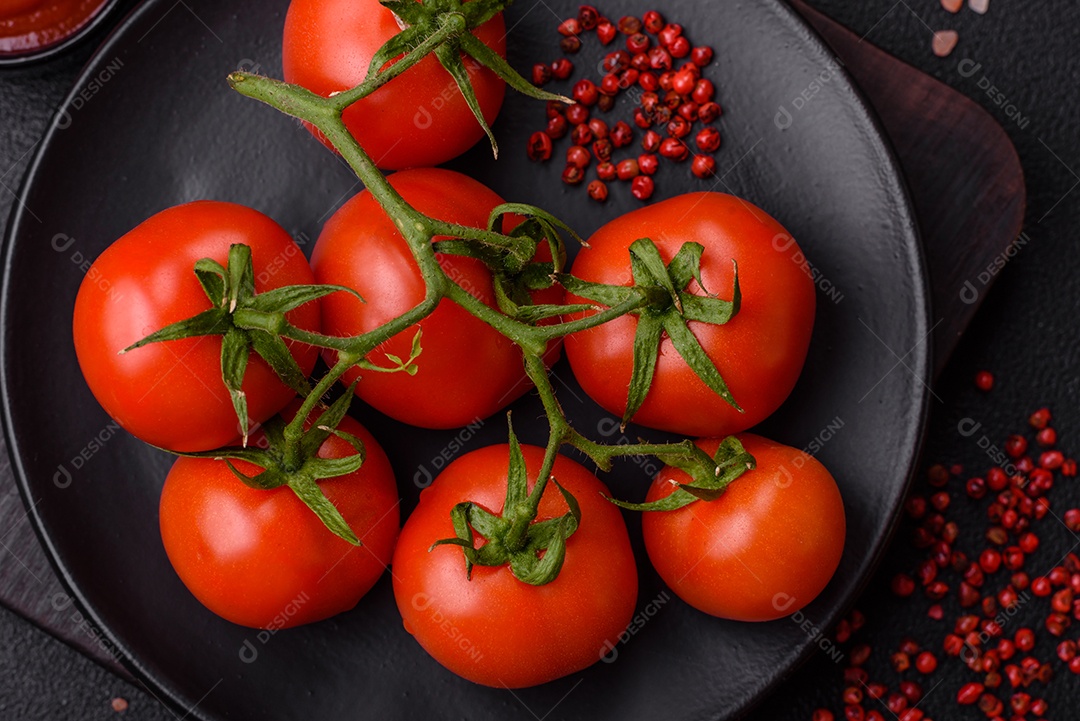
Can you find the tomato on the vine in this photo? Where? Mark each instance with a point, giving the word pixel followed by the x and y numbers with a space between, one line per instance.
pixel 418 119
pixel 759 353
pixel 262 558
pixel 495 629
pixel 762 550
pixel 467 370
pixel 171 394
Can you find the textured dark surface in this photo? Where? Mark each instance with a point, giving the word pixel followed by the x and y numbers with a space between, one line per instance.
pixel 1025 333
pixel 963 173
pixel 198 135
pixel 30 95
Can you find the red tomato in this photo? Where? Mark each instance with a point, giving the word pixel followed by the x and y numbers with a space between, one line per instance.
pixel 171 394
pixel 467 369
pixel 764 549
pixel 496 630
pixel 417 119
pixel 759 353
pixel 264 559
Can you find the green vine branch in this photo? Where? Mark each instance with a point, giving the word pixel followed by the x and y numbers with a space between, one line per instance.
pixel 658 297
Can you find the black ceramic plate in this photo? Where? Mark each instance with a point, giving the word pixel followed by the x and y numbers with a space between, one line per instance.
pixel 162 128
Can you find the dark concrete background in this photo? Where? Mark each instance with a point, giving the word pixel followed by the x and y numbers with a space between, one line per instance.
pixel 1026 334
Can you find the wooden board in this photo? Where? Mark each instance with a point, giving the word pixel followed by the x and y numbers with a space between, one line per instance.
pixel 968 189
pixel 962 170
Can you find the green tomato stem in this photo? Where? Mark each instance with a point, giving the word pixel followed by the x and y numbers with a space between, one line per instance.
pixel 453 26
pixel 294 431
pixel 420 232
pixel 487 237
pixel 563 433
pixel 523 334
pixel 558 330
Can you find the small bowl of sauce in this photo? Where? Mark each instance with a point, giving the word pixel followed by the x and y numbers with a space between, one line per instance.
pixel 32 30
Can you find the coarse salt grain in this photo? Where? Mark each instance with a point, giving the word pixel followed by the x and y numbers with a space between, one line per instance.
pixel 979 6
pixel 944 42
pixel 952 6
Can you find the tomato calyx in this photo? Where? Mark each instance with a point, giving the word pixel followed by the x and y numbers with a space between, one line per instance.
pixel 295 462
pixel 231 290
pixel 510 255
pixel 731 461
pixel 515 538
pixel 671 313
pixel 422 20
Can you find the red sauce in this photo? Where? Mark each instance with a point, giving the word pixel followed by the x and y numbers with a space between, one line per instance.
pixel 30 25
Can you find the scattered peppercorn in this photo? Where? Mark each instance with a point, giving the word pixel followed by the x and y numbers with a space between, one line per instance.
pixel 598 191
pixel 628 169
pixel 674 149
pixel 658 57
pixel 578 157
pixel 988 638
pixel 539 147
pixel 541 74
pixel 642 187
pixel 570 45
pixel 588 17
pixel 648 163
pixel 1040 418
pixel 562 68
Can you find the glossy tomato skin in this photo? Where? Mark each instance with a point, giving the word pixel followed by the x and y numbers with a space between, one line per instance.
pixel 171 394
pixel 467 369
pixel 417 119
pixel 507 633
pixel 764 549
pixel 759 353
pixel 262 558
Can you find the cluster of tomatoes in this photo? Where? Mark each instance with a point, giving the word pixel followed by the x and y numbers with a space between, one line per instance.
pixel 767 546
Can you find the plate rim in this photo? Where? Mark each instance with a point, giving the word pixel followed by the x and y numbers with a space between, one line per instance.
pixel 913 436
